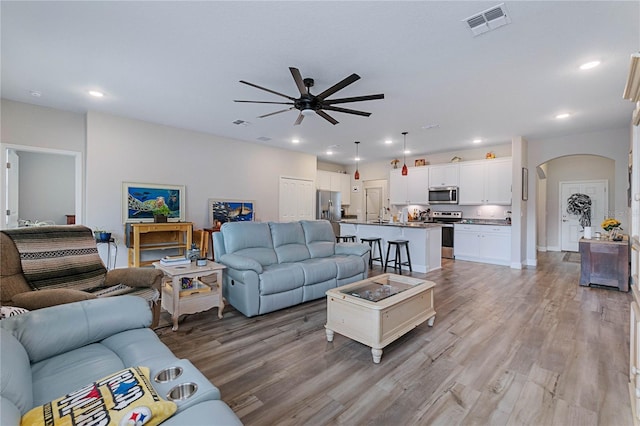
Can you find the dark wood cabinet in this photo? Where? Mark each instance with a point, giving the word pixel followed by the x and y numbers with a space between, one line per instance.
pixel 605 263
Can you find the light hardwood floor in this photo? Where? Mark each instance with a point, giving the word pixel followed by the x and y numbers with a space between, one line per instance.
pixel 513 347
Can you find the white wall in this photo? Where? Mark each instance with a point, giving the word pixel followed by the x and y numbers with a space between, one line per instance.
pixel 47 182
pixel 32 125
pixel 125 150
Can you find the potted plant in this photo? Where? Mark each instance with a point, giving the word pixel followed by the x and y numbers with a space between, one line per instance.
pixel 160 211
pixel 102 236
pixel 580 205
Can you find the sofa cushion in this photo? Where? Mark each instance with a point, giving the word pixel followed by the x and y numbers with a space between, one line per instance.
pixel 119 398
pixel 63 373
pixel 251 240
pixel 348 266
pixel 318 270
pixel 288 241
pixel 15 372
pixel 59 257
pixel 319 236
pixel 281 277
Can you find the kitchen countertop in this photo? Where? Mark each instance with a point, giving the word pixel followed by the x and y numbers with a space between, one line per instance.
pixel 418 224
pixel 398 224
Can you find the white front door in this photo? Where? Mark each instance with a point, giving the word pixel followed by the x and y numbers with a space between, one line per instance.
pixel 570 229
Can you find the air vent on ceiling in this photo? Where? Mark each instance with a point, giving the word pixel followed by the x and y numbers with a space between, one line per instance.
pixel 264 139
pixel 488 20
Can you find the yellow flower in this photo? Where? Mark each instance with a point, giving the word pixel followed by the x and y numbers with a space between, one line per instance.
pixel 610 223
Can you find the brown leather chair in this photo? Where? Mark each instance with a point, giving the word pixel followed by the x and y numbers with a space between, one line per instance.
pixel 60 264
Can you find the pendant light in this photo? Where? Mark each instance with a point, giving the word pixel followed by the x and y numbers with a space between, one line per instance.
pixel 356 175
pixel 405 171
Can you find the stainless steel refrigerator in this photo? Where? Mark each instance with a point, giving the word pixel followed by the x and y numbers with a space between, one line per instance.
pixel 328 205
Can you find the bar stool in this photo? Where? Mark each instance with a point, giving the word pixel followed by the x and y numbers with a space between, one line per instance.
pixel 397 261
pixel 372 241
pixel 346 239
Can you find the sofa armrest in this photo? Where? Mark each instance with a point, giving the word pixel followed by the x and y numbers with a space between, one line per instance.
pixel 48 332
pixel 352 248
pixel 241 263
pixel 134 277
pixel 33 300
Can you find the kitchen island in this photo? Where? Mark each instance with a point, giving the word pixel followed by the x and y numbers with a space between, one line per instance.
pixel 425 240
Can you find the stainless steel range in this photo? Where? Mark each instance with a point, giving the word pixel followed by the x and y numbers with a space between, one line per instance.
pixel 447 219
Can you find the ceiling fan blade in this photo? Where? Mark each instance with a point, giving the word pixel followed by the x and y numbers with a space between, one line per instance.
pixel 266 102
pixel 277 112
pixel 338 86
pixel 327 117
pixel 297 77
pixel 348 111
pixel 266 90
pixel 299 119
pixel 353 99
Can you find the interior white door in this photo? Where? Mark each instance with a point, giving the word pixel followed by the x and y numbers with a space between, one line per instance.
pixel 296 199
pixel 12 183
pixel 374 202
pixel 570 229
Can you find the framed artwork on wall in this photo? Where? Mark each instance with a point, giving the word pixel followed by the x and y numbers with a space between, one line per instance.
pixel 222 211
pixel 140 199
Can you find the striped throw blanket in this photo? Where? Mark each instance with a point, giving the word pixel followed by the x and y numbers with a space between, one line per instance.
pixel 59 257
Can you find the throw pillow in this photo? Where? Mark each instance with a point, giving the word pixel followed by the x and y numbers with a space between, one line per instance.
pixel 123 398
pixel 10 311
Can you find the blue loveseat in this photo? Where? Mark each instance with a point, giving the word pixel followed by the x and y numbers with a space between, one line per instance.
pixel 272 266
pixel 53 351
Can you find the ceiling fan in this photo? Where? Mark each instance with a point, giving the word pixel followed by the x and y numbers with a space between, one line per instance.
pixel 308 103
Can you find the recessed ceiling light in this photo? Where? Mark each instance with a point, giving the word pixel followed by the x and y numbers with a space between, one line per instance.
pixel 563 116
pixel 295 141
pixel 388 141
pixel 478 140
pixel 329 152
pixel 35 93
pixel 357 159
pixel 407 151
pixel 96 94
pixel 589 65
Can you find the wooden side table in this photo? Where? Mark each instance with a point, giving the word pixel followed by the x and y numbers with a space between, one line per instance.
pixel 604 262
pixel 155 237
pixel 201 297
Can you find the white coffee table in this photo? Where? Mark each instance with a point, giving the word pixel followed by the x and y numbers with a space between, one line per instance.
pixel 379 310
pixel 201 297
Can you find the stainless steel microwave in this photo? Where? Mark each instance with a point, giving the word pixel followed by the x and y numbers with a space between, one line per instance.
pixel 443 195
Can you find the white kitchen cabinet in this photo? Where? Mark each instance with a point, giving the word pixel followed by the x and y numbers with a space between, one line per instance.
pixel 410 189
pixel 634 356
pixel 444 175
pixel 485 182
pixel 332 181
pixel 482 243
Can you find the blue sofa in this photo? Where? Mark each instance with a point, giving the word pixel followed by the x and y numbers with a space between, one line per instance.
pixel 271 266
pixel 54 351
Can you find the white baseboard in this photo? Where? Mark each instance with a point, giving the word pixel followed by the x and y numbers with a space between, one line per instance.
pixel 516 265
pixel 532 262
pixel 553 248
pixel 541 248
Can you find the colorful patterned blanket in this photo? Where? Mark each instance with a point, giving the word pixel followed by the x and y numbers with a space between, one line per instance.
pixel 59 257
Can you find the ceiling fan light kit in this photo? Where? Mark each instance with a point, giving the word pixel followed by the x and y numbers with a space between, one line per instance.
pixel 309 103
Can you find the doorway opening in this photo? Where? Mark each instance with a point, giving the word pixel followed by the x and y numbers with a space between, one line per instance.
pixel 28 180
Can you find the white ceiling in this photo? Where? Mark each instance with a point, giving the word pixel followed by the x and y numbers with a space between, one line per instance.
pixel 179 63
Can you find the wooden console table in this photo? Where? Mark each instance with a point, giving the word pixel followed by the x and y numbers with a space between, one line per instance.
pixel 156 236
pixel 604 262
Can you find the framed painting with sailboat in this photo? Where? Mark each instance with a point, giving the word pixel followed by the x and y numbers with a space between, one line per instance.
pixel 230 211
